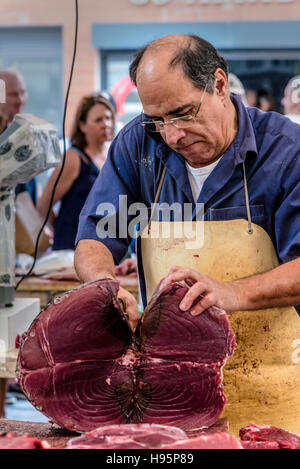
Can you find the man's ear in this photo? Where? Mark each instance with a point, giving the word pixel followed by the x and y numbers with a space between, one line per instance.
pixel 221 82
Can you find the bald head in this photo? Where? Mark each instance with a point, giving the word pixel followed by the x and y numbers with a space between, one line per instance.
pixel 197 58
pixel 160 55
pixel 15 94
pixel 291 99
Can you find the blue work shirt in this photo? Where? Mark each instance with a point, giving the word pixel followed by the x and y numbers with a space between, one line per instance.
pixel 268 143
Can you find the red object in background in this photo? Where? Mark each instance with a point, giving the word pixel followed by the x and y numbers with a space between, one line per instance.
pixel 18 340
pixel 121 91
pixel 12 441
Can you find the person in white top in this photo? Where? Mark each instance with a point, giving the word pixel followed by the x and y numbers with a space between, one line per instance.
pixel 291 99
pixel 237 87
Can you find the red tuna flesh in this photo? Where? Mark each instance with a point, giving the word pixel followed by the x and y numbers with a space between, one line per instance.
pixel 82 366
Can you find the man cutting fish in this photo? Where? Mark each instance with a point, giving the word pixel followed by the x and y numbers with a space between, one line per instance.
pixel 196 144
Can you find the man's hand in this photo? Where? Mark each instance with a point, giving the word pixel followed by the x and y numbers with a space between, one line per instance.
pixel 130 307
pixel 225 295
pixel 128 267
pixel 94 261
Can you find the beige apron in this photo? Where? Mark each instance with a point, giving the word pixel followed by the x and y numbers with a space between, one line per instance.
pixel 262 379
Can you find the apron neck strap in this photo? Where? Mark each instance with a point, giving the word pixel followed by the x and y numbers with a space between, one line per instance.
pixel 250 229
pixel 157 197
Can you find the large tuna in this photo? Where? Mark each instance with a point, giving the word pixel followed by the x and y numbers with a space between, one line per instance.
pixel 82 366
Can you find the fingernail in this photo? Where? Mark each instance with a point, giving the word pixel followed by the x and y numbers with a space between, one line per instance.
pixel 182 306
pixel 194 312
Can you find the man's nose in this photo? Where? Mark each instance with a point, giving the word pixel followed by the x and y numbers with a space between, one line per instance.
pixel 173 134
pixel 19 99
pixel 23 96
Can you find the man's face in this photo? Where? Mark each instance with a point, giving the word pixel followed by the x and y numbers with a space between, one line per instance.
pixel 16 97
pixel 173 95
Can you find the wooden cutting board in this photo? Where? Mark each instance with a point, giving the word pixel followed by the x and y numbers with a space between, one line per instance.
pixel 56 437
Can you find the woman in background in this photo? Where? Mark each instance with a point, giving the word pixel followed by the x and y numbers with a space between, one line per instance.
pixel 92 130
pixel 2 123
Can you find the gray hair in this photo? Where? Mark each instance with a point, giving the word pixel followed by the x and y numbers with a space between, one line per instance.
pixel 198 58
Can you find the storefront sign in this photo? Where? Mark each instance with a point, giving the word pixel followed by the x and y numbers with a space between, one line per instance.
pixel 206 2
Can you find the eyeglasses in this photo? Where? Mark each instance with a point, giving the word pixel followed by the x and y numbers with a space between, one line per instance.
pixel 181 122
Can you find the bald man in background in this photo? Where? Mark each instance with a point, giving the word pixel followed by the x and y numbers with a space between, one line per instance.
pixel 16 99
pixel 16 94
pixel 291 99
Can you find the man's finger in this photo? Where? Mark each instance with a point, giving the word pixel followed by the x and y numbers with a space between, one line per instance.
pixel 206 302
pixel 196 310
pixel 133 315
pixel 179 275
pixel 133 323
pixel 175 268
pixel 130 307
pixel 194 292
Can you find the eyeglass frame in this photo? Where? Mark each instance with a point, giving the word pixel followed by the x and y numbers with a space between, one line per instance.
pixel 174 119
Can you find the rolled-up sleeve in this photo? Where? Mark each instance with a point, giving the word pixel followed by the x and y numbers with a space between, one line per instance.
pixel 104 216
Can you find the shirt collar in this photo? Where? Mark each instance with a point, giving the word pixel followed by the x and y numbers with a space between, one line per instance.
pixel 245 141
